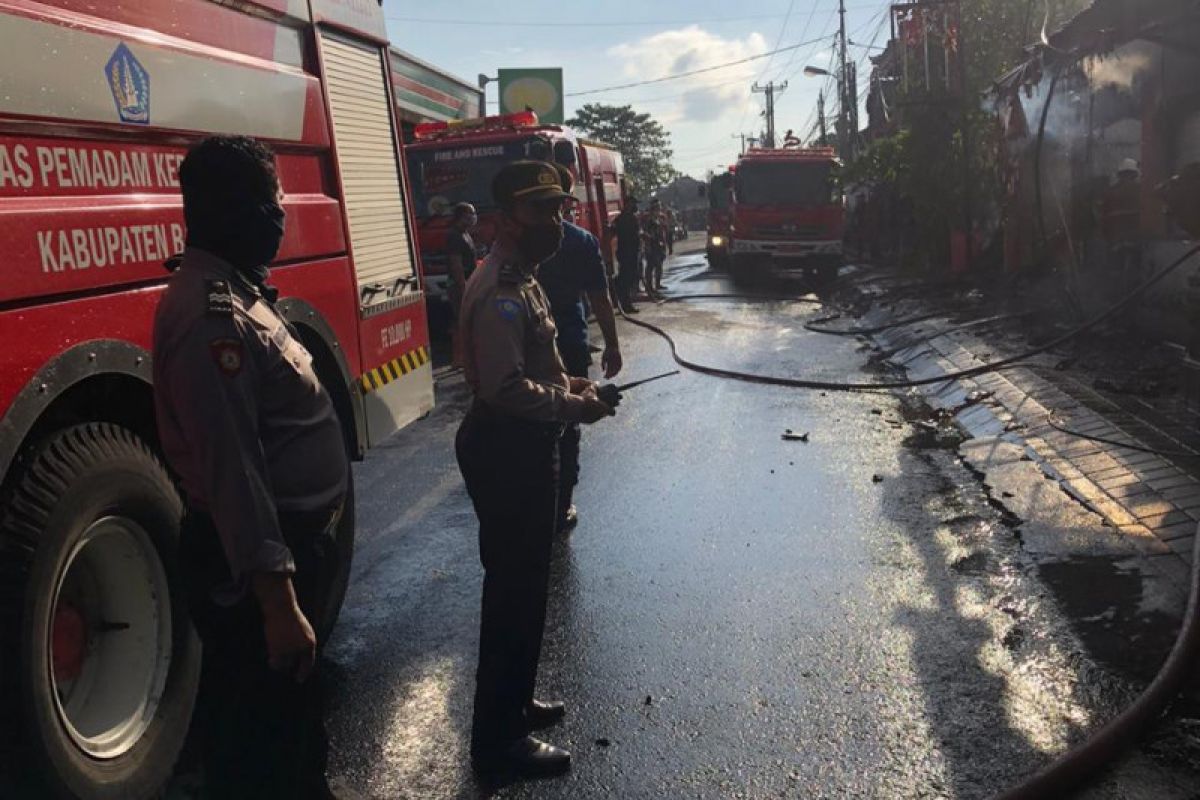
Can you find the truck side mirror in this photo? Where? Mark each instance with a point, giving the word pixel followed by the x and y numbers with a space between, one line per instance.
pixel 564 153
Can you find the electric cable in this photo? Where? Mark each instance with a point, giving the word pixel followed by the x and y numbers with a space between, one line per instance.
pixel 815 326
pixel 1058 426
pixel 689 73
pixel 977 323
pixel 985 369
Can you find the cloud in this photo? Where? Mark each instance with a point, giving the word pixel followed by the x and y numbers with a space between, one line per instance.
pixel 703 98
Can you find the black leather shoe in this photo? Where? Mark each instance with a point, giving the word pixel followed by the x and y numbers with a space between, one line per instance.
pixel 569 519
pixel 526 757
pixel 539 715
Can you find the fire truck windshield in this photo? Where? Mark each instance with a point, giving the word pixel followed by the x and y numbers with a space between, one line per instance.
pixel 460 172
pixel 783 183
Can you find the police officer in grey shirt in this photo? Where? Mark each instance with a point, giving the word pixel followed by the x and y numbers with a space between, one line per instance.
pixel 508 451
pixel 262 461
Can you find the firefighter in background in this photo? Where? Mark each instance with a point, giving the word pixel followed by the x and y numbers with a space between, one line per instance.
pixel 575 273
pixel 627 230
pixel 262 461
pixel 654 240
pixel 1120 220
pixel 508 451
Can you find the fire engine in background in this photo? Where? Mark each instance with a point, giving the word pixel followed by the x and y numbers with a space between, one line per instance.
pixel 720 199
pixel 454 162
pixel 98 661
pixel 788 212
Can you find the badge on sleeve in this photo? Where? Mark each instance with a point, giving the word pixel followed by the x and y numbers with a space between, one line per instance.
pixel 220 298
pixel 508 309
pixel 228 355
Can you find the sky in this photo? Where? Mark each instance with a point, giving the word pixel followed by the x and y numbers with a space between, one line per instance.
pixel 604 44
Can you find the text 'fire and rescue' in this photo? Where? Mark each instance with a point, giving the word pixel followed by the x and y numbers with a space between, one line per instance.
pixel 87 168
pixel 468 152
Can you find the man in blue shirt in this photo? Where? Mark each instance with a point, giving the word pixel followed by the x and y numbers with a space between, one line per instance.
pixel 575 272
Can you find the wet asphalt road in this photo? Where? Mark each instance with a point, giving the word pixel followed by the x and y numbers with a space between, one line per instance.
pixel 737 616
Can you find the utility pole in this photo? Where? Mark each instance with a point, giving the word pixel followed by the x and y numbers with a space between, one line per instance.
pixel 770 90
pixel 821 118
pixel 848 102
pixel 745 138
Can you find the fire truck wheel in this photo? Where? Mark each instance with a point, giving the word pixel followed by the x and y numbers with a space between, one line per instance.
pixel 106 662
pixel 339 580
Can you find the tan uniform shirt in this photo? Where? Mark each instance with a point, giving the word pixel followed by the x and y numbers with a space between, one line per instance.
pixel 508 332
pixel 242 417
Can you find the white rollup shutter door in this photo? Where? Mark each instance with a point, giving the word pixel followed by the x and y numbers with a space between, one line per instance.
pixel 371 181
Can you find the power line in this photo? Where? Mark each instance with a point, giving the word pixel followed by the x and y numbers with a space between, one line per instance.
pixel 690 73
pixel 627 24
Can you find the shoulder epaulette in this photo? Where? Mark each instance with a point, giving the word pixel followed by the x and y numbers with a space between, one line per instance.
pixel 220 298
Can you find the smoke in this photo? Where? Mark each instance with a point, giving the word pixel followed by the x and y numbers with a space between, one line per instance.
pixel 1121 69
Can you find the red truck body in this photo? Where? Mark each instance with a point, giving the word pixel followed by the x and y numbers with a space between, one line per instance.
pixel 787 212
pixel 720 219
pixel 450 163
pixel 100 103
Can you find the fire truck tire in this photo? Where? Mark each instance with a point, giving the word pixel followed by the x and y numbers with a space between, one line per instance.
pixel 105 661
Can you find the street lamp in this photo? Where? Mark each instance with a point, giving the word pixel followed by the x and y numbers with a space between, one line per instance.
pixel 816 72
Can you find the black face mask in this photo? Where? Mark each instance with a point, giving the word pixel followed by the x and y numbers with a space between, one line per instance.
pixel 538 242
pixel 256 232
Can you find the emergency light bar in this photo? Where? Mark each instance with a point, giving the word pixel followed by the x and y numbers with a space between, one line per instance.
pixel 431 130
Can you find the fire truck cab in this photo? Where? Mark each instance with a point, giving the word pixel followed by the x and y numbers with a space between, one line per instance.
pixel 98 661
pixel 455 162
pixel 788 212
pixel 720 201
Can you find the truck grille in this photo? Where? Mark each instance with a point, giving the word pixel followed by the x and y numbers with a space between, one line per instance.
pixel 791 231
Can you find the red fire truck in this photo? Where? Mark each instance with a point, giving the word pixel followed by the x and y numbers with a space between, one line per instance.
pixel 454 162
pixel 720 199
pixel 98 663
pixel 788 212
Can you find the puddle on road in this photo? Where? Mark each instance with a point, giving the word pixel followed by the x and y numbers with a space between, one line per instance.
pixel 1117 632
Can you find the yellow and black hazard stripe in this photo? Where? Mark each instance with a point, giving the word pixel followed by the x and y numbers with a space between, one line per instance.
pixel 375 379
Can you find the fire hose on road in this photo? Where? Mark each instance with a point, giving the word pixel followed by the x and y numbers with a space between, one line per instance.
pixel 1089 758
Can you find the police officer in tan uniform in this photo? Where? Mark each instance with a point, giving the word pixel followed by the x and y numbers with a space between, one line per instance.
pixel 262 460
pixel 508 451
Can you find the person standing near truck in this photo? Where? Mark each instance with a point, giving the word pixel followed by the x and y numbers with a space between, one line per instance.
pixel 262 461
pixel 575 272
pixel 654 234
pixel 508 450
pixel 627 228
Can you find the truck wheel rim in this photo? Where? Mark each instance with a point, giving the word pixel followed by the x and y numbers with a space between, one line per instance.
pixel 115 581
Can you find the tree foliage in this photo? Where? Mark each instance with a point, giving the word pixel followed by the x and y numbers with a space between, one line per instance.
pixel 923 161
pixel 642 141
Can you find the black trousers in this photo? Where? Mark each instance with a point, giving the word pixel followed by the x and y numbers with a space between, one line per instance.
pixel 629 273
pixel 261 734
pixel 577 360
pixel 511 471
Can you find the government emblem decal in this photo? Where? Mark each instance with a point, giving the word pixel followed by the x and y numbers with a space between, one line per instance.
pixel 130 85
